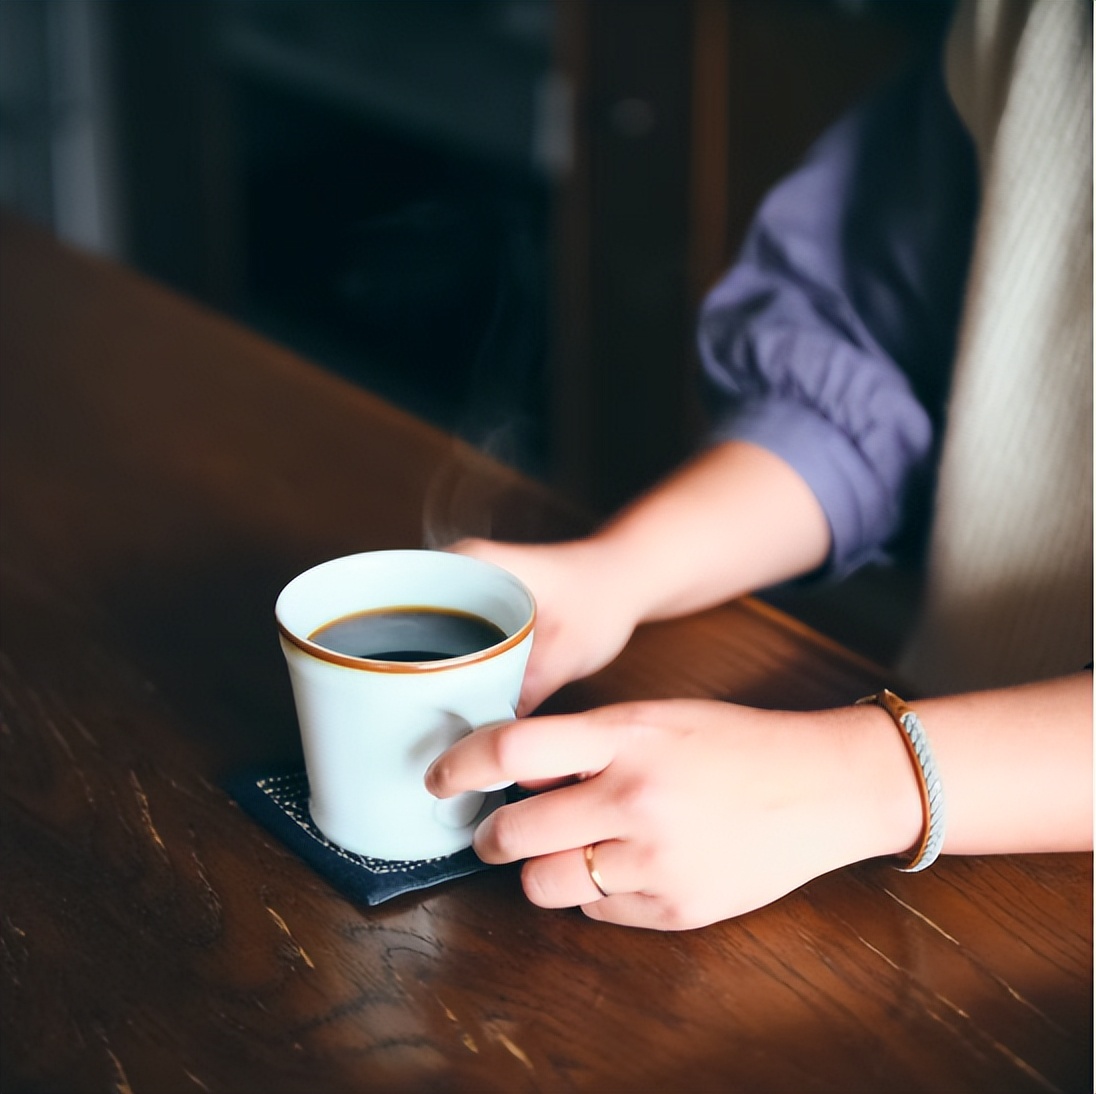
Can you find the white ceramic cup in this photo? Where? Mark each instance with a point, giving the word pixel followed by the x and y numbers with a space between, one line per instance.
pixel 371 728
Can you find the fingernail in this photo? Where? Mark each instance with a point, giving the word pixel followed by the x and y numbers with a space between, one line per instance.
pixel 480 834
pixel 428 778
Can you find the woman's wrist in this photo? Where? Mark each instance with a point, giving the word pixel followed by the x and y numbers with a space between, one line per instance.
pixel 647 577
pixel 884 815
pixel 615 576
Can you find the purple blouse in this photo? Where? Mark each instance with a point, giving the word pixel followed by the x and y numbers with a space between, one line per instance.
pixel 830 340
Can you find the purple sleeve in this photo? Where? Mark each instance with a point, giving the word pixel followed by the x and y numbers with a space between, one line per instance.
pixel 829 342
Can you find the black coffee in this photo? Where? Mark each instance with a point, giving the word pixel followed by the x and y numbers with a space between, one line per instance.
pixel 408 634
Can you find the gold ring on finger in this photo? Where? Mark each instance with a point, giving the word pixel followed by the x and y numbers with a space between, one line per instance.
pixel 591 869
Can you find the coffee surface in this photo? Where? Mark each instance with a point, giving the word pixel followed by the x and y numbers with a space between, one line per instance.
pixel 408 634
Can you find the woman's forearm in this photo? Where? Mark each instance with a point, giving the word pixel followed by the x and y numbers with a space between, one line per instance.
pixel 1016 765
pixel 735 519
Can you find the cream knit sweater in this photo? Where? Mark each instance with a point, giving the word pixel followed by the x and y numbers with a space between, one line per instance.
pixel 1009 591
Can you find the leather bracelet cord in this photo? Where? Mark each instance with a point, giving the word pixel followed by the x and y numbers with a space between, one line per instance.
pixel 927 850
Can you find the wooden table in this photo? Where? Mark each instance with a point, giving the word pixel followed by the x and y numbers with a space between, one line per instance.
pixel 164 472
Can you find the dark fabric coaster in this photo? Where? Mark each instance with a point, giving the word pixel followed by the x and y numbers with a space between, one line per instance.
pixel 279 802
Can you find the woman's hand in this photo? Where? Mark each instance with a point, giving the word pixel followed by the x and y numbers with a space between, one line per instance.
pixel 584 616
pixel 734 519
pixel 697 810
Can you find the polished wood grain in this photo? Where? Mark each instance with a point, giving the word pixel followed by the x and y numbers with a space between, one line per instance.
pixel 164 472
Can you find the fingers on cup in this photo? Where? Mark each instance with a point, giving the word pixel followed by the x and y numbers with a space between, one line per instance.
pixel 520 751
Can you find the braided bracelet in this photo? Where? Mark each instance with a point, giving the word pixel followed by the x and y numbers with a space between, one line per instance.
pixel 927 850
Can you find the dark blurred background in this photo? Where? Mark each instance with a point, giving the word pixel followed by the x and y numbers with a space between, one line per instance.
pixel 499 214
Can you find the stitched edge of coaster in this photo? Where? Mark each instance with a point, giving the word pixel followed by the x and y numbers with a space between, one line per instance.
pixel 290 799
